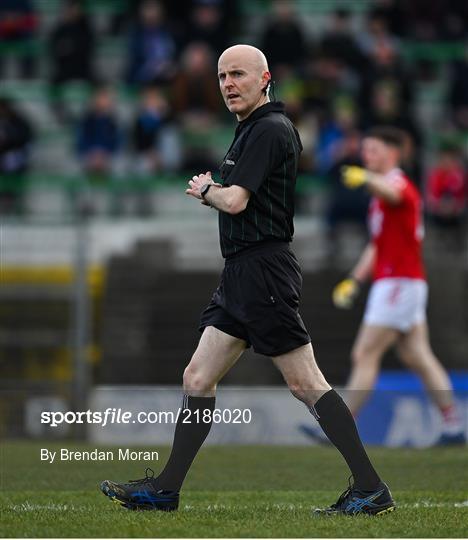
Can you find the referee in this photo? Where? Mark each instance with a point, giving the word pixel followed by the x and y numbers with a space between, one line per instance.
pixel 257 301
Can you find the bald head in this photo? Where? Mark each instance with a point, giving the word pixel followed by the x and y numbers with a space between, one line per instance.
pixel 243 78
pixel 247 55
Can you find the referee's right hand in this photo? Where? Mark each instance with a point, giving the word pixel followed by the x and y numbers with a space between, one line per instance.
pixel 345 293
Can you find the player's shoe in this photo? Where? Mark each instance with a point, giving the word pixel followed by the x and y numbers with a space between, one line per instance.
pixel 316 434
pixel 448 439
pixel 141 494
pixel 354 501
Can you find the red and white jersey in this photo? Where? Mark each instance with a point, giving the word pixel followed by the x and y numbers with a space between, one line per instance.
pixel 397 231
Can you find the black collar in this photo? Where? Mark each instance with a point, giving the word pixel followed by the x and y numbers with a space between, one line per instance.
pixel 271 106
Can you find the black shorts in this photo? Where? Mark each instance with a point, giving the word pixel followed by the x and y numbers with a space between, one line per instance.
pixel 258 300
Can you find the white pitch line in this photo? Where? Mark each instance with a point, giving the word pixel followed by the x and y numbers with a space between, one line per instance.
pixel 294 507
pixel 28 507
pixel 430 504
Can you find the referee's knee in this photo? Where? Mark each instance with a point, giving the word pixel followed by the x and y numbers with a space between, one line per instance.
pixel 300 392
pixel 195 384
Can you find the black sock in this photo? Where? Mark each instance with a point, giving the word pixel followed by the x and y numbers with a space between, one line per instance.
pixel 188 439
pixel 338 424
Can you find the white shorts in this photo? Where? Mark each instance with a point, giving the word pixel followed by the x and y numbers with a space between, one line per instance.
pixel 398 303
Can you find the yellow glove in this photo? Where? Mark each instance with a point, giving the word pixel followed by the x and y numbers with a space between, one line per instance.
pixel 354 176
pixel 345 293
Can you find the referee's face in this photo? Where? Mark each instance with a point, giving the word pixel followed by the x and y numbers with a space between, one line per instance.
pixel 241 81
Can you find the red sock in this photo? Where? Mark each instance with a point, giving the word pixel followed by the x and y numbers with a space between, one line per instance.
pixel 451 419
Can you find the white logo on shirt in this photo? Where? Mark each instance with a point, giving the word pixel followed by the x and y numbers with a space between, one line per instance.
pixel 376 218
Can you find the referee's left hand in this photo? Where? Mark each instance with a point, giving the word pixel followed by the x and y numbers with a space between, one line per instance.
pixel 197 182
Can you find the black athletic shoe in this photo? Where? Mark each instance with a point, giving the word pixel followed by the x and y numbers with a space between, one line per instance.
pixel 446 439
pixel 353 502
pixel 141 494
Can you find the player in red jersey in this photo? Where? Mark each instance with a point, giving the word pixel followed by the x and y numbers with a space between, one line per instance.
pixel 396 308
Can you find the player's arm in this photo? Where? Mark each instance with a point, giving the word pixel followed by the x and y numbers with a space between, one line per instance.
pixel 354 177
pixel 232 199
pixel 363 268
pixel 347 290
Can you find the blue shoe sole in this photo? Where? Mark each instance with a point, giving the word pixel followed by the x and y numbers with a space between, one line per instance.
pixel 373 512
pixel 163 506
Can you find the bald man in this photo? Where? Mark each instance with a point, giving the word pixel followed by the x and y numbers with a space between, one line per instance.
pixel 257 301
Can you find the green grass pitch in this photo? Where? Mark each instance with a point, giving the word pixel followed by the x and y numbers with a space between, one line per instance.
pixel 234 492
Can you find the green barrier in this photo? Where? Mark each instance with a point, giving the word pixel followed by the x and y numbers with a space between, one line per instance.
pixel 264 7
pixel 71 92
pixel 31 47
pixel 458 139
pixel 434 51
pixel 110 7
pixel 305 183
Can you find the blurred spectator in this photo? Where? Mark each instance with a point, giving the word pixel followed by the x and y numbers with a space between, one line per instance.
pixel 283 40
pixel 385 86
pixel 345 205
pixel 338 40
pixel 99 135
pixel 325 78
pixel 447 189
pixel 386 107
pixel 377 36
pixel 198 105
pixel 152 47
pixel 156 147
pixel 195 92
pixel 437 19
pixel 456 20
pixel 458 92
pixel 177 12
pixel 425 21
pixel 153 137
pixel 205 25
pixel 15 141
pixel 426 18
pixel 71 46
pixel 18 25
pixel 393 11
pixel 289 85
pixel 333 131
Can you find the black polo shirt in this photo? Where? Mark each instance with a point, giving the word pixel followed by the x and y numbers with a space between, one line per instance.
pixel 263 158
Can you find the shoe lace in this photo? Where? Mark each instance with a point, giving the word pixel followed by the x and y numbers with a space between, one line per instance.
pixel 149 476
pixel 345 494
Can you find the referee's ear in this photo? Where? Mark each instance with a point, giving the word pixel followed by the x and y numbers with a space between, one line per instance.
pixel 267 86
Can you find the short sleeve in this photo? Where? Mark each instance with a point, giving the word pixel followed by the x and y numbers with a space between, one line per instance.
pixel 263 150
pixel 404 186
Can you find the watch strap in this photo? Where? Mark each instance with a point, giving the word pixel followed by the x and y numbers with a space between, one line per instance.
pixel 204 190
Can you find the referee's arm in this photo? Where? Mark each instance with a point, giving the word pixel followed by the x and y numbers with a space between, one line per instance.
pixel 232 199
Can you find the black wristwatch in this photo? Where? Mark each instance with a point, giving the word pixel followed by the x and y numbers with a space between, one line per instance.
pixel 204 190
